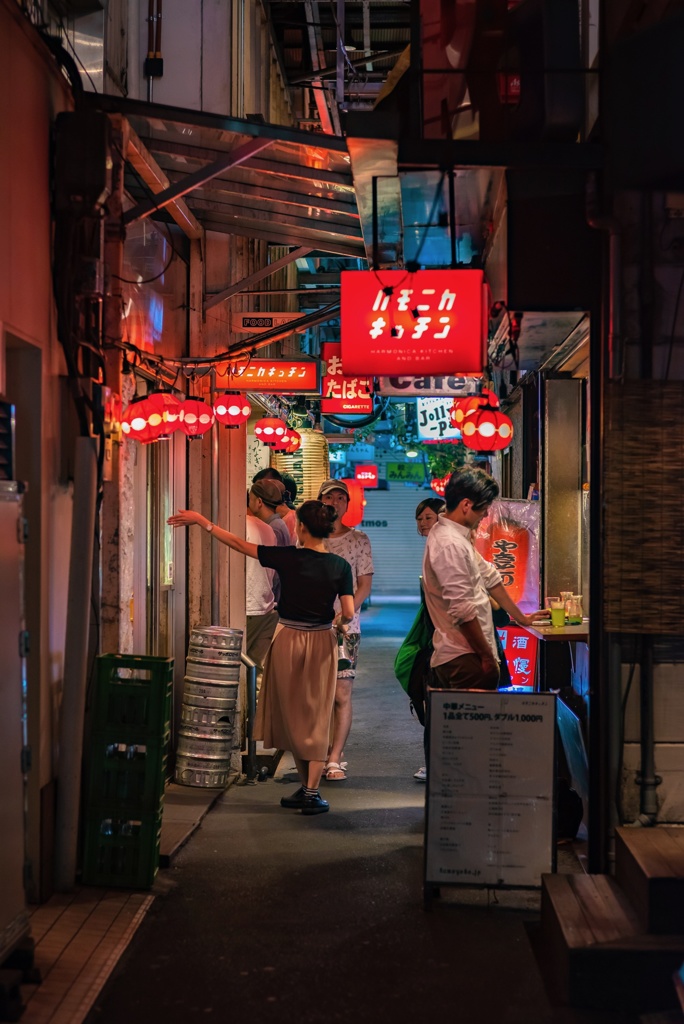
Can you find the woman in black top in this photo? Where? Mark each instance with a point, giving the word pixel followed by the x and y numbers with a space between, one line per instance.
pixel 297 696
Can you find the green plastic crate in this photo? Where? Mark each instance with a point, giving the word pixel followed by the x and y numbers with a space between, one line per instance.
pixel 133 696
pixel 120 851
pixel 126 776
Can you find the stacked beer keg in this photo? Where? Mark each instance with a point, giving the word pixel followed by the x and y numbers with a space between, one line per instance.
pixel 209 729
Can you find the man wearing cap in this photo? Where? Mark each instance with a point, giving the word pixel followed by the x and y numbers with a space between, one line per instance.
pixel 354 546
pixel 264 498
pixel 285 509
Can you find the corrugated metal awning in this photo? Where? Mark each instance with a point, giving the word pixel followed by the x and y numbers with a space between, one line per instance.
pixel 283 185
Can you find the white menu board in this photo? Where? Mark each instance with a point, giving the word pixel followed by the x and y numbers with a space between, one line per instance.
pixel 490 793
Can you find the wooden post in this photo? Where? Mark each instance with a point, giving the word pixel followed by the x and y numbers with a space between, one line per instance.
pixel 112 525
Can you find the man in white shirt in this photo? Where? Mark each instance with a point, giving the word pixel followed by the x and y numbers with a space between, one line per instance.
pixel 457 583
pixel 262 617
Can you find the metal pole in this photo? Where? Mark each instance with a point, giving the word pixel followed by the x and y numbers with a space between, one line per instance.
pixel 75 663
pixel 215 589
pixel 648 780
pixel 251 713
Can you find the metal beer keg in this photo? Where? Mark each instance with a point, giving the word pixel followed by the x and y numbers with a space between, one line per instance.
pixel 209 728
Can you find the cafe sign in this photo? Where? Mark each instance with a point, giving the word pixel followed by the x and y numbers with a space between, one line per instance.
pixel 456 387
pixel 275 376
pixel 427 322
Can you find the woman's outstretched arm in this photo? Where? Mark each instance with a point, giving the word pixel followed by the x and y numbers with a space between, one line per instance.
pixel 186 517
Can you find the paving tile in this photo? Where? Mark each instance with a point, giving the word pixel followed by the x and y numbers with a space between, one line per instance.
pixel 78 950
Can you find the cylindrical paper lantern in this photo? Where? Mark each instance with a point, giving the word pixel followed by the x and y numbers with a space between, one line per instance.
pixel 309 466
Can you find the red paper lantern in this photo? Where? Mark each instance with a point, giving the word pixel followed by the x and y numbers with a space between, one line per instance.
pixel 462 406
pixel 506 545
pixel 150 418
pixel 486 430
pixel 196 417
pixel 232 408
pixel 169 407
pixel 438 484
pixel 295 442
pixel 357 503
pixel 270 430
pixel 283 443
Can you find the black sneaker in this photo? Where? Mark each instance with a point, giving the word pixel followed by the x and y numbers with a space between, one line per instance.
pixel 296 800
pixel 315 805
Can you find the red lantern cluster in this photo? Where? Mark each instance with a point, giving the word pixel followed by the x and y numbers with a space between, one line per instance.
pixel 486 430
pixel 232 408
pixel 151 418
pixel 438 484
pixel 463 406
pixel 270 430
pixel 196 417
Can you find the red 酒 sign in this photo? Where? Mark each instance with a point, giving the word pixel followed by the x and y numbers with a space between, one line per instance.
pixel 520 649
pixel 426 323
pixel 367 475
pixel 343 394
pixel 282 376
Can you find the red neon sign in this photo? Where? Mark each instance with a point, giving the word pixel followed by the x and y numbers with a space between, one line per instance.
pixel 520 649
pixel 367 475
pixel 426 323
pixel 343 394
pixel 280 376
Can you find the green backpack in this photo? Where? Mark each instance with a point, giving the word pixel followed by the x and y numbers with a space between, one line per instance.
pixel 412 663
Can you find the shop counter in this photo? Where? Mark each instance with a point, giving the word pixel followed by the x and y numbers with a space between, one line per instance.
pixel 572 634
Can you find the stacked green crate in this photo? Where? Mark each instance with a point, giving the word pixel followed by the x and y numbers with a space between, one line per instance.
pixel 126 770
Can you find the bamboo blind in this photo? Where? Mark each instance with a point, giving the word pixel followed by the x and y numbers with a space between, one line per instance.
pixel 643 528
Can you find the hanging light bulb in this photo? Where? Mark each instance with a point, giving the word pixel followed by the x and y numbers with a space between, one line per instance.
pixel 232 408
pixel 196 417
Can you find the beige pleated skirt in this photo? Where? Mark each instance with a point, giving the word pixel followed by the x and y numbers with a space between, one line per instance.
pixel 296 702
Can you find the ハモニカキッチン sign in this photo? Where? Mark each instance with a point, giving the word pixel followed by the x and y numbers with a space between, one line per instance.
pixel 427 322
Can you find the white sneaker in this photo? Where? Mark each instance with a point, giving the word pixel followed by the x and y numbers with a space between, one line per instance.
pixel 421 775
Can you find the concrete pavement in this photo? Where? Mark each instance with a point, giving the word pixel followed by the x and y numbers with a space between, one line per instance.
pixel 270 916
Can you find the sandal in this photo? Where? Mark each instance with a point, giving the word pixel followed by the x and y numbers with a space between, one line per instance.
pixel 335 772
